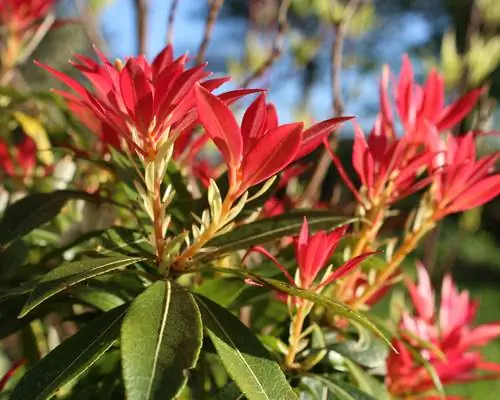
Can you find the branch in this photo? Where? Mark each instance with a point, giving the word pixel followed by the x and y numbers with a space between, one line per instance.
pixel 340 29
pixel 90 24
pixel 141 9
pixel 215 6
pixel 277 47
pixel 35 40
pixel 171 18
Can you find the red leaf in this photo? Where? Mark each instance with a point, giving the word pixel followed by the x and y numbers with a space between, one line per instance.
pixel 220 125
pixel 346 268
pixel 477 195
pixel 313 136
pixel 271 154
pixel 457 111
pixel 253 124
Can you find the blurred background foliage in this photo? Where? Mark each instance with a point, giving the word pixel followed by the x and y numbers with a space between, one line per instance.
pixel 461 38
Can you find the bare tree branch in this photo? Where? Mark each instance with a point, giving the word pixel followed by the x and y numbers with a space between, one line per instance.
pixel 141 10
pixel 215 6
pixel 90 24
pixel 340 28
pixel 171 19
pixel 277 47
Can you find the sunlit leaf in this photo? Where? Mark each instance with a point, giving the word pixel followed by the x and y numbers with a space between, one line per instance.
pixel 161 339
pixel 70 358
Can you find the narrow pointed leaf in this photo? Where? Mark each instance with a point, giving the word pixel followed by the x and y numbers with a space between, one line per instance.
pixel 334 389
pixel 220 125
pixel 271 153
pixel 71 358
pixel 245 358
pixel 313 136
pixel 338 308
pixel 33 211
pixel 269 229
pixel 161 338
pixel 69 274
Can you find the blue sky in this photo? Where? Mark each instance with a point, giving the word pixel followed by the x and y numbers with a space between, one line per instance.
pixel 118 22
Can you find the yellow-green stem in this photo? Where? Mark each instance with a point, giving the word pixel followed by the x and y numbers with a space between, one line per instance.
pixel 158 221
pixel 208 233
pixel 297 325
pixel 409 244
pixel 369 231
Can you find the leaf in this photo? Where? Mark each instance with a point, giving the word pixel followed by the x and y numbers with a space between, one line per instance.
pixel 161 338
pixel 336 307
pixel 69 274
pixel 33 211
pixel 268 229
pixel 367 351
pixel 71 358
pixel 366 382
pixel 222 290
pixel 35 130
pixel 245 358
pixel 339 390
pixel 229 392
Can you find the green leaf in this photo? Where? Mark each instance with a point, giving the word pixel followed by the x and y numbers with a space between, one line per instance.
pixel 269 229
pixel 335 389
pixel 367 351
pixel 229 392
pixel 33 211
pixel 366 382
pixel 336 307
pixel 72 357
pixel 69 274
pixel 223 291
pixel 245 358
pixel 161 338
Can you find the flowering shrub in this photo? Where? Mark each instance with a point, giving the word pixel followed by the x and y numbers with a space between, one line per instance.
pixel 136 268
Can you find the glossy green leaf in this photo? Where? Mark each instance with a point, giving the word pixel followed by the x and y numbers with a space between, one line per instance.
pixel 367 383
pixel 69 274
pixel 33 211
pixel 245 358
pixel 269 229
pixel 222 290
pixel 366 351
pixel 161 338
pixel 72 357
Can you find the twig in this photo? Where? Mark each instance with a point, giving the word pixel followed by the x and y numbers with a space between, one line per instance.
pixel 171 19
pixel 141 8
pixel 277 47
pixel 340 28
pixel 90 24
pixel 37 38
pixel 215 6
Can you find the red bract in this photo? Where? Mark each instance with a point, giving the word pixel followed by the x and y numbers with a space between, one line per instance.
pixel 18 160
pixel 450 330
pixel 387 167
pixel 261 147
pixel 464 182
pixel 418 106
pixel 313 253
pixel 138 103
pixel 19 15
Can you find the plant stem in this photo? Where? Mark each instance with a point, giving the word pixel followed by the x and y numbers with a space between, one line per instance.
pixel 409 244
pixel 375 219
pixel 208 233
pixel 296 326
pixel 158 220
